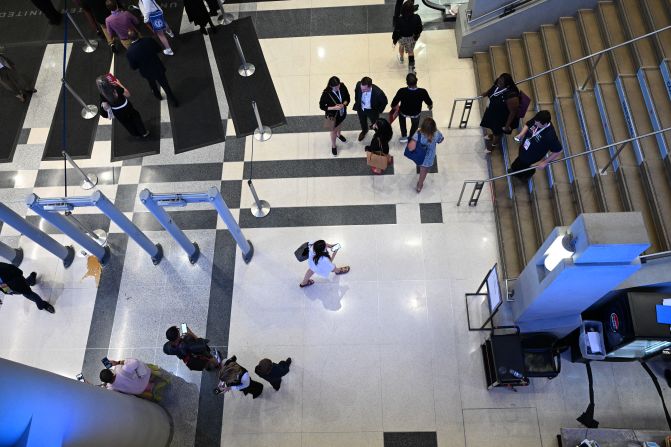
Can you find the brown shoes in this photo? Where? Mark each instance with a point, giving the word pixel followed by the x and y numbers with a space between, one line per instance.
pixel 362 135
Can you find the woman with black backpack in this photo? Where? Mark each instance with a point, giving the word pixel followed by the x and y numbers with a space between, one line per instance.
pixel 407 30
pixel 234 377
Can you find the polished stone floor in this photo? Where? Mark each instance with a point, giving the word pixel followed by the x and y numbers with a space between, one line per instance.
pixel 382 355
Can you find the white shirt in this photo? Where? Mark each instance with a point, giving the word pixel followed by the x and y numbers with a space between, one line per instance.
pixel 323 268
pixel 365 100
pixel 244 382
pixel 131 378
pixel 147 7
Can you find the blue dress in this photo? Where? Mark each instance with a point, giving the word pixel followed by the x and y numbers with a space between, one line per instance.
pixel 430 157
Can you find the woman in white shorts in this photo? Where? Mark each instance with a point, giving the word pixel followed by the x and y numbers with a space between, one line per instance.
pixel 321 262
pixel 406 32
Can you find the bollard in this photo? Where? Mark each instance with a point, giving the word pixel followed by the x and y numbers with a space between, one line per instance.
pixel 245 69
pixel 100 236
pixel 13 255
pixel 191 248
pixel 90 45
pixel 88 111
pixel 224 18
pixel 260 208
pixel 261 133
pixel 11 218
pixel 90 180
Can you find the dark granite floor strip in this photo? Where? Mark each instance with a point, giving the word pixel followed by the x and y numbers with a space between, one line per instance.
pixel 8 179
pixel 211 407
pixel 431 213
pixel 125 198
pixel 104 309
pixel 332 167
pixel 181 173
pixel 234 150
pixel 231 191
pixel 339 20
pixel 55 177
pixel 414 439
pixel 315 123
pixel 321 216
pixel 90 221
pixel 186 220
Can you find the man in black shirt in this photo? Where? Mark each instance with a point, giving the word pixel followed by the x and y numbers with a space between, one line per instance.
pixel 12 282
pixel 410 98
pixel 191 349
pixel 537 137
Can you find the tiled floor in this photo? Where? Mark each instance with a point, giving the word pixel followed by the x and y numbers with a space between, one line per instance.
pixel 382 355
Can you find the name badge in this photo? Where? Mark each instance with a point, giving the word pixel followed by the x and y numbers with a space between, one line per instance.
pixel 526 144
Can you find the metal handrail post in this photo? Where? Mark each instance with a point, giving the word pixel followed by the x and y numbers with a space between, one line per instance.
pixel 224 18
pixel 245 69
pixel 88 110
pixel 261 133
pixel 613 157
pixel 454 106
pixel 90 180
pixel 592 72
pixel 90 45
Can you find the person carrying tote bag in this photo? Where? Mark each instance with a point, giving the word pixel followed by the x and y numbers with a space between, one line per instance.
pixel 333 102
pixel 377 154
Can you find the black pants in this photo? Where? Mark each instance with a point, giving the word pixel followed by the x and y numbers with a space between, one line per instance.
pixel 255 388
pixel 22 286
pixel 414 125
pixel 35 298
pixel 518 165
pixel 131 120
pixel 163 82
pixel 365 116
pixel 48 10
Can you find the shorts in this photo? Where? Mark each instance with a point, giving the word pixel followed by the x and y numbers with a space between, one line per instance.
pixel 407 43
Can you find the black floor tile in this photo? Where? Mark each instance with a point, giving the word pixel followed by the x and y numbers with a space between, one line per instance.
pixel 90 221
pixel 125 198
pixel 281 23
pixel 338 21
pixel 185 220
pixel 231 191
pixel 331 167
pixel 431 212
pixel 234 149
pixel 411 439
pixel 56 177
pixel 181 173
pixel 321 216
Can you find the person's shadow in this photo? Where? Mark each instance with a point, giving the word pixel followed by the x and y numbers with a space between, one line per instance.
pixel 330 294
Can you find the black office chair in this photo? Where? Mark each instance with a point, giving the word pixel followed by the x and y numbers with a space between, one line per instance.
pixel 541 355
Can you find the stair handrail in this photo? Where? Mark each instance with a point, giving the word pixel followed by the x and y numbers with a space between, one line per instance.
pixel 569 157
pixel 568 64
pixel 513 3
pixel 651 257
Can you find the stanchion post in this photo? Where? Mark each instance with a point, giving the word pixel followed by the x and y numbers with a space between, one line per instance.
pixel 260 208
pixel 90 180
pixel 90 45
pixel 261 133
pixel 224 18
pixel 246 69
pixel 123 222
pixel 11 218
pixel 70 229
pixel 13 255
pixel 88 110
pixel 214 196
pixel 191 248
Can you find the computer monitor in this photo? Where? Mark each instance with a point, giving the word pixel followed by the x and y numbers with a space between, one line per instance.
pixel 493 289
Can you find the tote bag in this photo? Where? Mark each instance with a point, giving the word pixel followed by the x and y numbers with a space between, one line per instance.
pixel 419 154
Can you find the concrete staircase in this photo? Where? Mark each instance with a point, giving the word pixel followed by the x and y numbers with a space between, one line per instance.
pixel 629 95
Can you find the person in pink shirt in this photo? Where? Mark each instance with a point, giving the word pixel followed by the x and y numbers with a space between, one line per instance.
pixel 131 376
pixel 119 22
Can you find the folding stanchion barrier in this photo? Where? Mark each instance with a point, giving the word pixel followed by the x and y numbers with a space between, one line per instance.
pixel 156 203
pixel 224 18
pixel 88 110
pixel 89 181
pixel 89 45
pixel 261 133
pixel 49 209
pixel 13 255
pixel 246 69
pixel 11 218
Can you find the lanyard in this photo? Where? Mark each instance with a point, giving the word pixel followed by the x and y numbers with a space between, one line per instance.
pixel 537 130
pixel 497 92
pixel 338 95
pixel 341 112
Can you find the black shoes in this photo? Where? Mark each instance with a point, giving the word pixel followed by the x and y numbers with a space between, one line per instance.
pixel 32 279
pixel 334 151
pixel 288 360
pixel 341 138
pixel 362 135
pixel 49 308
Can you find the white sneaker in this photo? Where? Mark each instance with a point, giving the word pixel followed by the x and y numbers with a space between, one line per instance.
pixel 403 140
pixel 168 52
pixel 170 33
pixel 400 59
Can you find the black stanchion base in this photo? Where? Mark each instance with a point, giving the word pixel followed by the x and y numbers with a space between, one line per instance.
pixel 106 257
pixel 18 258
pixel 194 257
pixel 159 255
pixel 248 256
pixel 67 262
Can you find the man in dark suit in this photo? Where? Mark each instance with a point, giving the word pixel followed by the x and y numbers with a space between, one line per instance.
pixel 12 282
pixel 142 55
pixel 47 8
pixel 369 103
pixel 273 372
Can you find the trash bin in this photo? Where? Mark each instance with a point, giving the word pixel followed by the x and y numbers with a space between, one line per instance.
pixel 591 341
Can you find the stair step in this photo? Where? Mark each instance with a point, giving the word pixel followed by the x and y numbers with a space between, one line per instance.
pixel 573 48
pixel 529 241
pixel 483 75
pixel 537 64
pixel 588 196
pixel 659 108
pixel 554 54
pixel 631 13
pixel 519 69
pixel 562 182
pixel 659 16
pixel 593 40
pixel 633 183
pixel 621 58
pixel 499 57
pixel 659 189
pixel 592 121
